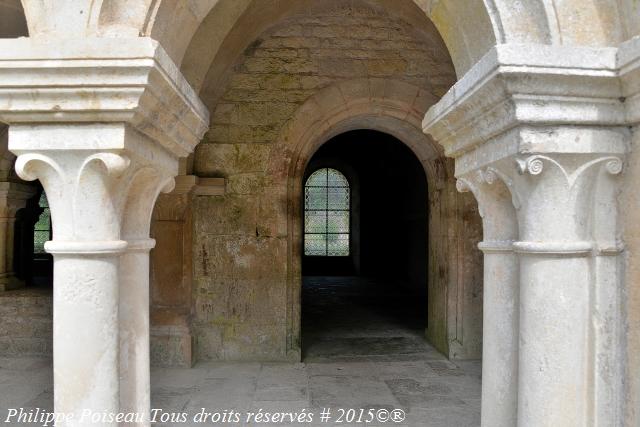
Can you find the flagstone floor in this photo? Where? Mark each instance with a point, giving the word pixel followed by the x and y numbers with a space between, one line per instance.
pixel 356 356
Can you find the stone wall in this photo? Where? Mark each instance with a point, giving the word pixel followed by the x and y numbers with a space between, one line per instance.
pixel 26 320
pixel 242 255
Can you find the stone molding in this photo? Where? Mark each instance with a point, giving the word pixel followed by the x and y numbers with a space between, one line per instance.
pixel 549 248
pixel 185 184
pixel 128 80
pixel 527 86
pixel 496 246
pixel 210 187
pixel 629 71
pixel 173 206
pixel 572 249
pixel 105 247
pixel 141 245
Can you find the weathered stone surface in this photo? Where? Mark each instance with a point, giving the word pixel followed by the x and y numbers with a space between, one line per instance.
pixel 570 126
pixel 26 323
pixel 226 159
pixel 277 77
pixel 249 183
pixel 225 215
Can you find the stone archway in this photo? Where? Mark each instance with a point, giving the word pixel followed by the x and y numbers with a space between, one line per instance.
pixel 394 108
pixel 602 82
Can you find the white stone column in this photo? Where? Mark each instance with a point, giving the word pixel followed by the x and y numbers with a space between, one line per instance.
pixel 134 294
pixel 89 191
pixel 560 196
pixel 13 197
pixel 500 297
pixel 134 329
pixel 102 124
pixel 552 123
pixel 81 188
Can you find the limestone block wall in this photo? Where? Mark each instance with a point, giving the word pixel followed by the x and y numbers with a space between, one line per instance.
pixel 26 326
pixel 242 258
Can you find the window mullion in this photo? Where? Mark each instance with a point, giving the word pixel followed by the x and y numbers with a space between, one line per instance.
pixel 326 214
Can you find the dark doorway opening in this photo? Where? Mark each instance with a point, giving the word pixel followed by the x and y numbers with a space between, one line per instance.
pixel 370 301
pixel 33 227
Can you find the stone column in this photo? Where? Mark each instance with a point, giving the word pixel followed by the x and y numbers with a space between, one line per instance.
pixel 500 297
pixel 134 292
pixel 552 124
pixel 100 279
pixel 562 196
pixel 134 328
pixel 13 197
pixel 103 133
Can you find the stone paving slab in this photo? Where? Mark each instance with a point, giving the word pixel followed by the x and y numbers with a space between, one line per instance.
pixel 432 394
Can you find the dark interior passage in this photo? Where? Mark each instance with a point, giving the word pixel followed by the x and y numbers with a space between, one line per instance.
pixel 357 318
pixel 373 301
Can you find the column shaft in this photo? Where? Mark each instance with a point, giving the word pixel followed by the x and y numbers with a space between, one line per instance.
pixel 500 296
pixel 554 347
pixel 134 330
pixel 500 337
pixel 85 330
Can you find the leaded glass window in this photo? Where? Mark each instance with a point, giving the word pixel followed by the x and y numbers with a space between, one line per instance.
pixel 326 214
pixel 42 229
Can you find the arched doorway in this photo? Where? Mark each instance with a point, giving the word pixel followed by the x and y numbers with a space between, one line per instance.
pixel 364 264
pixel 454 283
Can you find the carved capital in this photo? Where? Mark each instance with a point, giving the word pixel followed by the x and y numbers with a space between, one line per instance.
pixel 535 164
pixel 563 198
pixel 496 201
pixel 100 194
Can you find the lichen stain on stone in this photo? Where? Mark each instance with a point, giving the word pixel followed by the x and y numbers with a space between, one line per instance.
pixel 205 258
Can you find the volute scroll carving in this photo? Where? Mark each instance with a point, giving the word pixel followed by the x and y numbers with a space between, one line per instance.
pixel 535 165
pixel 115 164
pixel 27 165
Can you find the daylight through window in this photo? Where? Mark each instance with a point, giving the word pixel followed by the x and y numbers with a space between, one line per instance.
pixel 326 214
pixel 42 229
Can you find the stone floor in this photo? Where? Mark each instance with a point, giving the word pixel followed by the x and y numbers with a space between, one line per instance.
pixel 363 349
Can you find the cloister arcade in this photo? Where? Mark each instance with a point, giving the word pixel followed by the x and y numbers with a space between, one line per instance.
pixel 194 122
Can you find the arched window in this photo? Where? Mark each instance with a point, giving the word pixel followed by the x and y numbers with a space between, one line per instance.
pixel 42 229
pixel 326 214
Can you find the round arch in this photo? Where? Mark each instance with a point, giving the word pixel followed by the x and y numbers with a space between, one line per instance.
pixel 468 28
pixel 394 108
pixel 205 36
pixel 194 32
